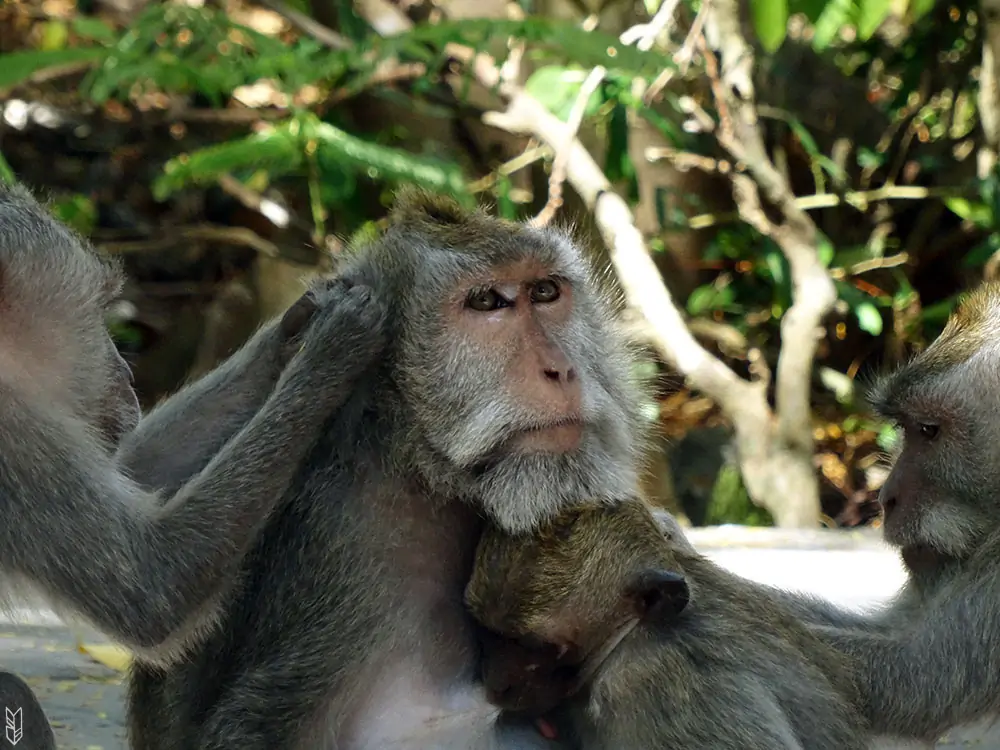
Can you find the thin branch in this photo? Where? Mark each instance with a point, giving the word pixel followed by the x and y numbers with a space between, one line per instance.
pixel 563 150
pixel 644 34
pixel 223 235
pixel 859 199
pixel 813 291
pixel 308 26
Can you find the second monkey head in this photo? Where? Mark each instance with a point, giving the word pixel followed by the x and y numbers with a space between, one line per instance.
pixel 515 389
pixel 943 493
pixel 559 606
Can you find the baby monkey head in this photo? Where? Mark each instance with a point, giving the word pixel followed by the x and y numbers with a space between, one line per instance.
pixel 557 603
pixel 943 492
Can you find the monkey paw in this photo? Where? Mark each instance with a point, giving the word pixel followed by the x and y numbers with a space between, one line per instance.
pixel 346 330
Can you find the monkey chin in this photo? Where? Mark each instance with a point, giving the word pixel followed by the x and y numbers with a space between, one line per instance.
pixel 565 437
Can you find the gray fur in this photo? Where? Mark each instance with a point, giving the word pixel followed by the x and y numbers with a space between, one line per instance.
pixel 714 662
pixel 147 568
pixel 932 661
pixel 348 630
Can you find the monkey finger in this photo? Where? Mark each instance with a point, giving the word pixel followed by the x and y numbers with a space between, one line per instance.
pixel 297 317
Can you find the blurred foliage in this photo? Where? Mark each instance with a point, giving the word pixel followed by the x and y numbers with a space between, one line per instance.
pixel 909 64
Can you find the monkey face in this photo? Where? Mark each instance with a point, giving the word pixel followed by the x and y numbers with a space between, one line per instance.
pixel 526 675
pixel 520 392
pixel 558 603
pixel 941 495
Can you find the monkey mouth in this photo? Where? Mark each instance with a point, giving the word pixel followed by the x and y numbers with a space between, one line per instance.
pixel 557 436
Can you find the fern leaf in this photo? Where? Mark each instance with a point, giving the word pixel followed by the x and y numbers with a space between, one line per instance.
pixel 17 67
pixel 337 150
pixel 278 150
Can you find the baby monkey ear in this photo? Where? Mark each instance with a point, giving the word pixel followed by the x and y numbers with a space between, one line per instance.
pixel 656 593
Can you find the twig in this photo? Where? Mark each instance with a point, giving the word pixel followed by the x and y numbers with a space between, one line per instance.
pixel 529 156
pixel 225 235
pixel 563 150
pixel 874 264
pixel 308 26
pixel 682 58
pixel 644 34
pixel 859 199
pixel 685 160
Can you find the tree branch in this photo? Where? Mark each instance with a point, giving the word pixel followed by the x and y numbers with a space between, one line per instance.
pixel 813 292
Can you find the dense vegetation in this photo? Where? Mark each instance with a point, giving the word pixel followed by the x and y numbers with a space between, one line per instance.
pixel 226 149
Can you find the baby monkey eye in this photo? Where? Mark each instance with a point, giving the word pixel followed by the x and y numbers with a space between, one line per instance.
pixel 545 290
pixel 484 300
pixel 928 431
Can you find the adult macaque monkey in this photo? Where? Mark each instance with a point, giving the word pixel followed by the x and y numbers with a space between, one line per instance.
pixel 659 647
pixel 148 569
pixel 934 662
pixel 504 392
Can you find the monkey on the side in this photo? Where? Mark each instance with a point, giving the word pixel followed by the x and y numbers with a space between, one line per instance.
pixel 650 644
pixel 932 660
pixel 25 724
pixel 505 392
pixel 148 566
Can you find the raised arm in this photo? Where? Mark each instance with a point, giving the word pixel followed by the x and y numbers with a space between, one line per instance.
pixel 939 667
pixel 181 434
pixel 149 575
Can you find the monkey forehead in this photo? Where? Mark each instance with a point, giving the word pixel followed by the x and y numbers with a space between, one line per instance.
pixel 962 358
pixel 501 250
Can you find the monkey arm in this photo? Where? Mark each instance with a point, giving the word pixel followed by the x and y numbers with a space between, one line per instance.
pixel 179 436
pixel 87 536
pixel 939 670
pixel 814 610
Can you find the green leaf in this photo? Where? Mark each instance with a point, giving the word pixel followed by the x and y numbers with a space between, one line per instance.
pixel 978 213
pixel 920 8
pixel 770 20
pixel 93 29
pixel 282 150
pixel 19 66
pixel 888 437
pixel 811 9
pixel 707 298
pixel 873 13
pixel 6 173
pixel 869 318
pixel 557 87
pixel 278 149
pixel 337 150
pixel 835 16
pixel 55 35
pixel 546 38
pixel 825 250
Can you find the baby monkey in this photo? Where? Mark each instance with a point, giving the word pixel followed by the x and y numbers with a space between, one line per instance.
pixel 611 619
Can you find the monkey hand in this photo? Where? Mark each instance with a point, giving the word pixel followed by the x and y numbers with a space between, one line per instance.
pixel 295 321
pixel 344 334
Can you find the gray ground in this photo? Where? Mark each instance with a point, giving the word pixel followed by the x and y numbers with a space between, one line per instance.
pixel 84 699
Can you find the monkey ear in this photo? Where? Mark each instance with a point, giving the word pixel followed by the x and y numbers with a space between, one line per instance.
pixel 656 593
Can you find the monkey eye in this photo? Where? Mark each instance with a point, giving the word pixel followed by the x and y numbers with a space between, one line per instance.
pixel 928 431
pixel 484 300
pixel 545 290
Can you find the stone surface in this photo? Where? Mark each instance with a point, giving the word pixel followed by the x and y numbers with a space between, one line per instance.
pixel 84 700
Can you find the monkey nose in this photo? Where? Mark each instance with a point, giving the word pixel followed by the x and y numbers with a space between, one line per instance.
pixel 559 374
pixel 888 502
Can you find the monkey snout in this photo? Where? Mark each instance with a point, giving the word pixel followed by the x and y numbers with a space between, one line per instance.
pixel 559 374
